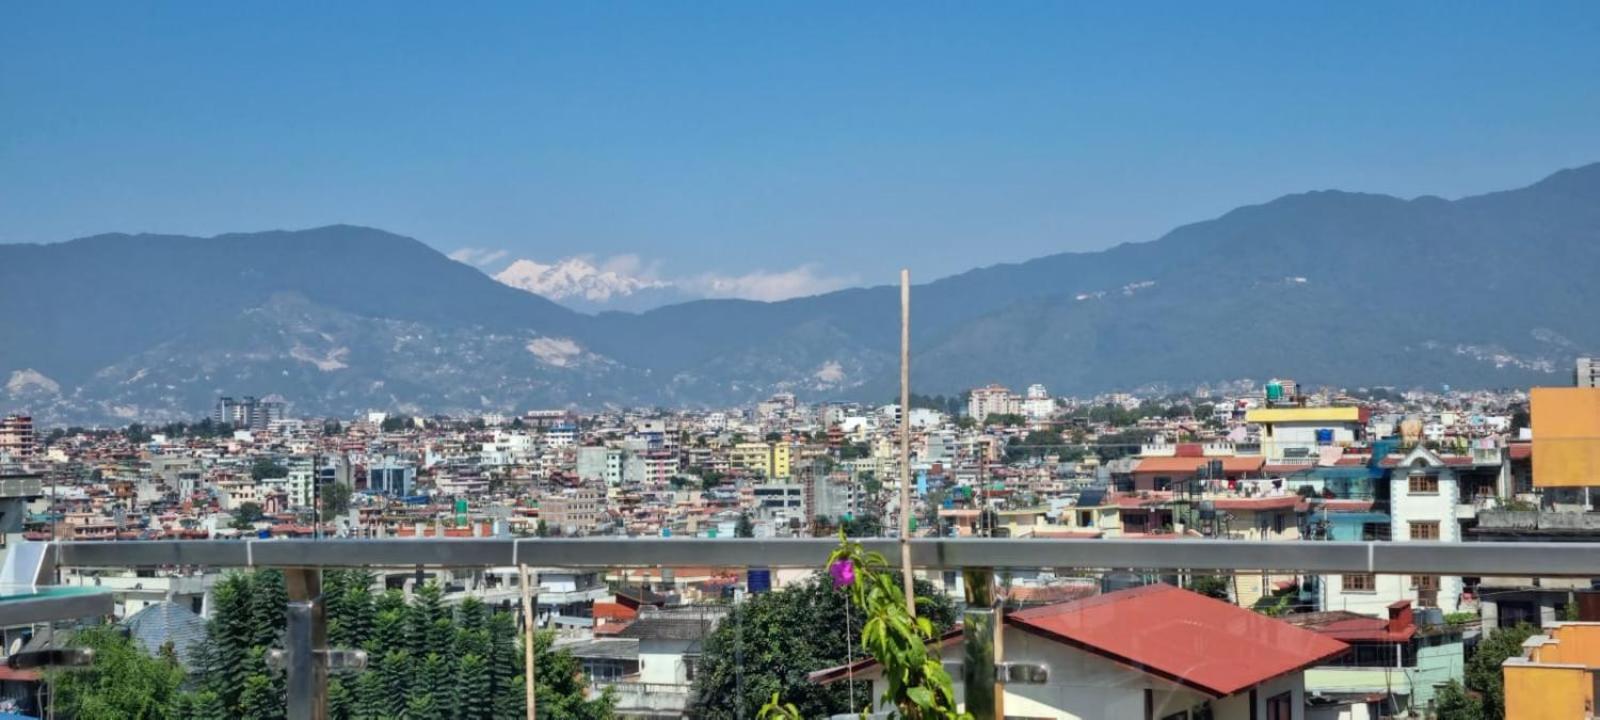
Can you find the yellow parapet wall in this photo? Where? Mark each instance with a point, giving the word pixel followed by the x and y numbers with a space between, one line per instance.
pixel 1299 414
pixel 1566 436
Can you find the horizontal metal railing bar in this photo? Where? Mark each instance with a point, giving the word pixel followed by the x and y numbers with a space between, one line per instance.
pixel 1434 558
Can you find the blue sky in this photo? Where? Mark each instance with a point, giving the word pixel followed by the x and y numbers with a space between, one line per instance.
pixel 817 143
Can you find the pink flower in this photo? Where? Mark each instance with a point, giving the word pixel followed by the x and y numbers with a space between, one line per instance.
pixel 843 572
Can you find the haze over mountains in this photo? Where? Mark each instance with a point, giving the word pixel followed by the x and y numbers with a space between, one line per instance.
pixel 1326 287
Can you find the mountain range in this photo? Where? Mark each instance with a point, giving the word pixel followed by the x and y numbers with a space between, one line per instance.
pixel 1326 287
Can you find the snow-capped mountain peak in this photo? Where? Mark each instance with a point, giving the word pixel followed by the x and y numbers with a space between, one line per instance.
pixel 574 278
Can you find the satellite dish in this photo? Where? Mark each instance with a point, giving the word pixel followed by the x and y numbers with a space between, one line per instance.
pixel 15 646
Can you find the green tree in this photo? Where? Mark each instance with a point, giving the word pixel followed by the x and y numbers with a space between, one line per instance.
pixel 1483 668
pixel 771 641
pixel 262 698
pixel 247 515
pixel 744 528
pixel 475 699
pixel 341 700
pixel 123 682
pixel 1453 703
pixel 1213 586
pixel 266 468
pixel 269 600
pixel 335 500
pixel 229 634
pixel 864 525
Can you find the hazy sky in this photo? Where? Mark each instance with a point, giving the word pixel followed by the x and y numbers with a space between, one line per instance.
pixel 813 143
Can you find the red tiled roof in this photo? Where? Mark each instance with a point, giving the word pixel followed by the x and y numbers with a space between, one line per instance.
pixel 614 611
pixel 1351 627
pixel 1175 634
pixel 1230 464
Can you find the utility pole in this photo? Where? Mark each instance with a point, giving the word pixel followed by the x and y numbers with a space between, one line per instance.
pixel 528 630
pixel 905 440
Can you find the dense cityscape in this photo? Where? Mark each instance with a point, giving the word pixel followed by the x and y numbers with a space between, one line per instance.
pixel 520 360
pixel 1271 462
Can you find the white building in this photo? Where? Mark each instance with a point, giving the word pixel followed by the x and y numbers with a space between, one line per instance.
pixel 992 400
pixel 1423 507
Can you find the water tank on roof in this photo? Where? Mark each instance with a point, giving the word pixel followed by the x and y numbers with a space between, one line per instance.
pixel 1274 391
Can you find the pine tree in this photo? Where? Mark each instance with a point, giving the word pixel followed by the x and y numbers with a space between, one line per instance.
pixel 427 606
pixel 472 615
pixel 438 680
pixel 472 642
pixel 205 705
pixel 422 706
pixel 228 640
pixel 389 633
pixel 395 669
pixel 257 701
pixel 356 616
pixel 268 604
pixel 389 600
pixel 371 697
pixel 474 701
pixel 505 660
pixel 341 701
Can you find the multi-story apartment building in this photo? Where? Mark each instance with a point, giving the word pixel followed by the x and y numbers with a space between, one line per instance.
pixel 391 476
pixel 574 511
pixel 248 412
pixel 992 400
pixel 769 459
pixel 1588 372
pixel 600 464
pixel 17 442
pixel 1424 497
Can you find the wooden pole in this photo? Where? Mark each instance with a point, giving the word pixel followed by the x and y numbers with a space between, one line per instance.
pixel 528 627
pixel 905 440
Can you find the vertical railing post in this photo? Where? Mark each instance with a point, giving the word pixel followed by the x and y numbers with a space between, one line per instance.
pixel 978 630
pixel 305 642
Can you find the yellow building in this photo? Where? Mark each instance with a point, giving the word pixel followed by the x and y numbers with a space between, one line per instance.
pixel 1555 677
pixel 1566 436
pixel 779 463
pixel 770 460
pixel 751 456
pixel 1299 432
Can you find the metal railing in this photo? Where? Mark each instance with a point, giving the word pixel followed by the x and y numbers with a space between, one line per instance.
pixel 308 660
pixel 1471 559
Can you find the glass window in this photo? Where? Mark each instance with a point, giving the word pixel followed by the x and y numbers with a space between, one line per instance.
pixel 1424 485
pixel 1365 582
pixel 1425 530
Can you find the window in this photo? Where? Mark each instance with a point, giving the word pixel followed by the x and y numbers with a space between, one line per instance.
pixel 1281 706
pixel 1424 485
pixel 1425 530
pixel 1427 587
pixel 1365 582
pixel 1086 518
